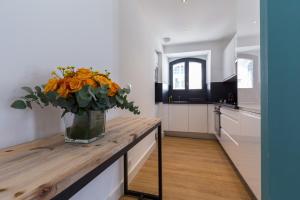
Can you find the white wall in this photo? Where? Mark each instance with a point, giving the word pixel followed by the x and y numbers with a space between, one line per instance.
pixel 36 36
pixel 216 48
pixel 137 64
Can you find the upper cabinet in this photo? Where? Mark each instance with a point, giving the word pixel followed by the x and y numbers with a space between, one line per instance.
pixel 229 58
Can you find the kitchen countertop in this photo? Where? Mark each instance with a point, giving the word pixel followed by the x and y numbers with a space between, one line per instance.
pixel 189 102
pixel 232 106
pixel 204 102
pixel 250 108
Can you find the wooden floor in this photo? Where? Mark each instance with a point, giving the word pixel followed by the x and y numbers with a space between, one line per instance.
pixel 193 169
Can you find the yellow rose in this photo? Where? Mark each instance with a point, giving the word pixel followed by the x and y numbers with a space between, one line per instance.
pixel 114 87
pixel 63 90
pixel 75 84
pixel 90 82
pixel 52 85
pixel 102 80
pixel 84 74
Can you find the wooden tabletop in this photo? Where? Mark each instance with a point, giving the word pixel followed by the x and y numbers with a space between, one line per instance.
pixel 43 168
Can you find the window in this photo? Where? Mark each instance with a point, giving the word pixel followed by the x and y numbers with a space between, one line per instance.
pixel 187 79
pixel 179 76
pixel 195 76
pixel 245 73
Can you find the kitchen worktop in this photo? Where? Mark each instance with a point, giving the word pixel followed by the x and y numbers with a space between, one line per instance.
pixel 189 102
pixel 204 102
pixel 227 105
pixel 250 108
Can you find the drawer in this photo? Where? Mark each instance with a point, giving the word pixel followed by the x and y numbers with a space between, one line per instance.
pixel 234 114
pixel 230 146
pixel 230 125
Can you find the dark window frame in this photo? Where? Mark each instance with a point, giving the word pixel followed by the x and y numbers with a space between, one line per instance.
pixel 188 94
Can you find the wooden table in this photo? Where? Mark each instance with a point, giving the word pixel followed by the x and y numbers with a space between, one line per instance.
pixel 51 169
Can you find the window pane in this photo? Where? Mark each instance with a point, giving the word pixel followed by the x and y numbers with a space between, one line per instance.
pixel 179 76
pixel 245 73
pixel 195 76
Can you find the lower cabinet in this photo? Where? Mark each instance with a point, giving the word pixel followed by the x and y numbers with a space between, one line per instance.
pixel 178 117
pixel 240 137
pixel 250 150
pixel 198 118
pixel 188 118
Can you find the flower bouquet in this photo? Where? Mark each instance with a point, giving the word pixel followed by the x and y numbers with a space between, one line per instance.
pixel 84 95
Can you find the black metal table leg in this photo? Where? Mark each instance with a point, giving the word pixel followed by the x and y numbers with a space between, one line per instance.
pixel 142 195
pixel 160 185
pixel 125 173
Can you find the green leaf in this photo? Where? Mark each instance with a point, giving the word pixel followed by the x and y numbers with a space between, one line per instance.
pixel 38 89
pixel 28 103
pixel 83 101
pixel 31 96
pixel 119 99
pixel 103 90
pixel 84 93
pixel 52 96
pixel 19 104
pixel 28 89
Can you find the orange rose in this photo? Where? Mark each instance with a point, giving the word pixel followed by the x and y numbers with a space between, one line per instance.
pixel 84 74
pixel 90 82
pixel 102 80
pixel 75 84
pixel 63 90
pixel 114 87
pixel 52 85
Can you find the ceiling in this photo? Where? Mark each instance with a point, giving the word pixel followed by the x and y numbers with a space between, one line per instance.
pixel 196 20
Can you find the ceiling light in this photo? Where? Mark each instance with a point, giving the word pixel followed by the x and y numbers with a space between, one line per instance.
pixel 184 1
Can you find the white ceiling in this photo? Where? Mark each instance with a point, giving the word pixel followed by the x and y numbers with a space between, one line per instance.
pixel 197 20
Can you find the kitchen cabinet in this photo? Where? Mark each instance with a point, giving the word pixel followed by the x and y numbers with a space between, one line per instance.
pixel 230 122
pixel 178 117
pixel 197 118
pixel 250 150
pixel 187 118
pixel 240 137
pixel 229 58
pixel 229 132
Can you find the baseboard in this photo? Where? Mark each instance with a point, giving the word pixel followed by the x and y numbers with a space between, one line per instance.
pixel 204 136
pixel 118 192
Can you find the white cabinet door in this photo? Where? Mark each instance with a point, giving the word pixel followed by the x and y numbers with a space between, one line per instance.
pixel 198 118
pixel 250 150
pixel 229 57
pixel 211 119
pixel 178 117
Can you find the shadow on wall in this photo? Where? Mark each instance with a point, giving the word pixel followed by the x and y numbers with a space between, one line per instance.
pixel 47 121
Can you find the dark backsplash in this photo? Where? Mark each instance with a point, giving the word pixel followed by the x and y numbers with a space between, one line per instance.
pixel 220 91
pixel 216 92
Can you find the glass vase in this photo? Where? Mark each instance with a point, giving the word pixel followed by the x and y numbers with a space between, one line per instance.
pixel 85 128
